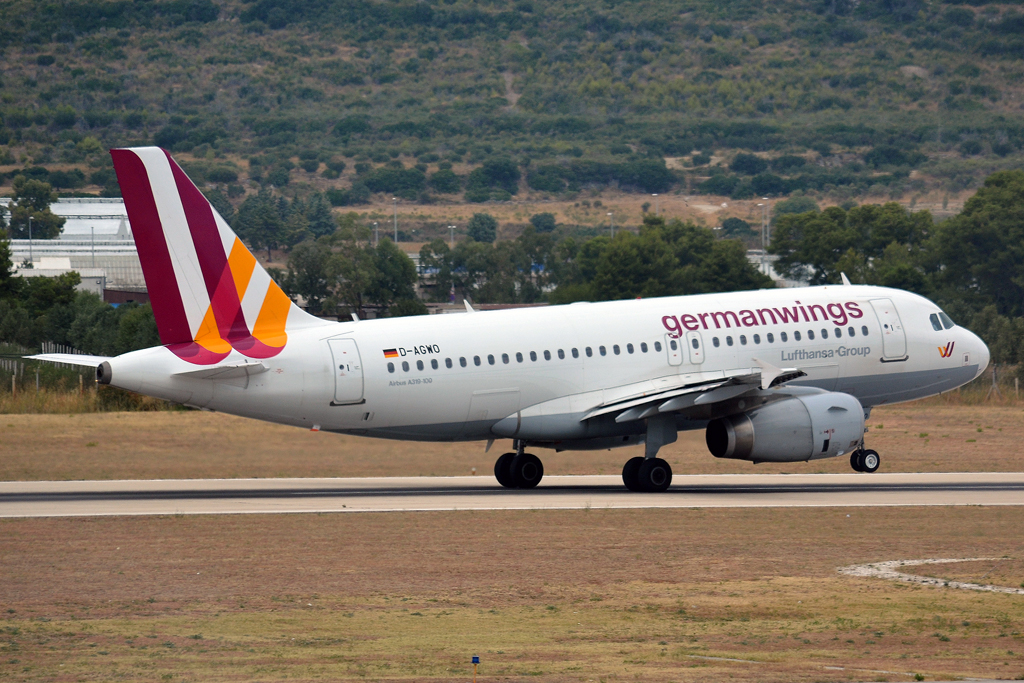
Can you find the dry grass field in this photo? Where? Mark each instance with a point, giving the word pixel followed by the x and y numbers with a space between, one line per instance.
pixel 590 595
pixel 925 436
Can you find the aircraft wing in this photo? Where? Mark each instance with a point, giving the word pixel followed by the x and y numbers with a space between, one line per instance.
pixel 70 359
pixel 702 393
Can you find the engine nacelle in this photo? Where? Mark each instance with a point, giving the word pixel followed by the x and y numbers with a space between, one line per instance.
pixel 791 430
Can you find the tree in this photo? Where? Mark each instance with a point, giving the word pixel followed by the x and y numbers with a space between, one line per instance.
pixel 310 273
pixel 748 164
pixel 318 213
pixel 543 222
pixel 978 255
pixel 8 283
pixel 445 181
pixel 259 221
pixel 32 199
pixel 736 228
pixel 436 268
pixel 483 227
pixel 394 276
pixel 794 205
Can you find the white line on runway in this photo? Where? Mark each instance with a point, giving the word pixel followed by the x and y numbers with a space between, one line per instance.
pixel 421 494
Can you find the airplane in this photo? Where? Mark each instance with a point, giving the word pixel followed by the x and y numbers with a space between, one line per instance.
pixel 774 375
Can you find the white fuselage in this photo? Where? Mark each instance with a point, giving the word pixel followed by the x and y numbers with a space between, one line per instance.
pixel 456 377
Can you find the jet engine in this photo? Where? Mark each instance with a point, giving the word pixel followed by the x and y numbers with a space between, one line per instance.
pixel 805 427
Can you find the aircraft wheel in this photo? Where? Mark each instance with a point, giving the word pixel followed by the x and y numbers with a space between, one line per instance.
pixel 855 460
pixel 655 475
pixel 527 470
pixel 630 473
pixel 869 461
pixel 503 470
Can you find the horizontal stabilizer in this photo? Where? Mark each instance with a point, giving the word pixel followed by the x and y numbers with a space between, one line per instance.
pixel 70 359
pixel 221 372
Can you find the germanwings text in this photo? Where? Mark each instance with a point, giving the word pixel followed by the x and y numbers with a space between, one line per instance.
pixel 840 314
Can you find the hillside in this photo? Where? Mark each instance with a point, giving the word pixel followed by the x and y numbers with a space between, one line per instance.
pixel 458 101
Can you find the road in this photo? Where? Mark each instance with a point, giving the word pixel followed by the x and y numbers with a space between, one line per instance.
pixel 406 494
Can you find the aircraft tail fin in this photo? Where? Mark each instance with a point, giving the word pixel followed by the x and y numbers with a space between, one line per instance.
pixel 209 294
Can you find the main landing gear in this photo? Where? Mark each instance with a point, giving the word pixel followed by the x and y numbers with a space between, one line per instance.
pixel 519 470
pixel 864 460
pixel 647 475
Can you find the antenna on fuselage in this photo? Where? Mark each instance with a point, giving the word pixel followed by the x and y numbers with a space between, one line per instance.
pixel 846 280
pixel 469 307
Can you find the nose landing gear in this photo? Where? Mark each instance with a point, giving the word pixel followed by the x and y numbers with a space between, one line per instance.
pixel 866 461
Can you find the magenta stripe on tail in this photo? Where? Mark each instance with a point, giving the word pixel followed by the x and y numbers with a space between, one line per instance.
pixel 168 309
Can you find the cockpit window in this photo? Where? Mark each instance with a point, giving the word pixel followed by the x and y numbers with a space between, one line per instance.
pixel 936 325
pixel 946 321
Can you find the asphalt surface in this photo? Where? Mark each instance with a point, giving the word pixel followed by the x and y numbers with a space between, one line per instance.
pixel 407 494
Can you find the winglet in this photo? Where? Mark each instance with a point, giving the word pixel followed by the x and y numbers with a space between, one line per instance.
pixel 846 280
pixel 469 306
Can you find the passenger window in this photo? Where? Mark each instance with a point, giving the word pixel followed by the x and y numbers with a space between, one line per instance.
pixel 603 351
pixel 936 325
pixel 519 357
pixel 433 363
pixel 391 367
pixel 419 365
pixel 561 354
pixel 850 331
pixel 462 361
pixel 757 339
pixel 864 330
pixel 615 349
pixel 629 348
pixel 771 338
pixel 533 356
pixel 643 347
pixel 810 334
pixel 590 352
pixel 824 334
pixel 714 340
pixel 405 366
pixel 694 343
pixel 476 360
pixel 796 335
pixel 490 359
pixel 575 353
pixel 504 358
pixel 728 341
pixel 657 346
pixel 547 355
pixel 839 332
pixel 947 322
pixel 447 362
pixel 743 340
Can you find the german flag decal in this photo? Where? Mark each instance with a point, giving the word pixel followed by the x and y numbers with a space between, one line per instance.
pixel 390 353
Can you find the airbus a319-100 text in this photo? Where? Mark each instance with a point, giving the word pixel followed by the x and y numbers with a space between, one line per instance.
pixel 780 375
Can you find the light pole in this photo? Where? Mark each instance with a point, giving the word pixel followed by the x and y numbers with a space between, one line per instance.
pixel 765 212
pixel 395 201
pixel 655 195
pixel 451 237
pixel 376 234
pixel 611 220
pixel 30 239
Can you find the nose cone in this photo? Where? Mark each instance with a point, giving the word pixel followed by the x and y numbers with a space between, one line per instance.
pixel 983 354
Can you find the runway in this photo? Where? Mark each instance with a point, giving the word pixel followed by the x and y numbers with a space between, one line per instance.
pixel 420 494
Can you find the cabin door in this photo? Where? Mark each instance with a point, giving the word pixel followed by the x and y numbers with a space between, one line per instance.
pixel 348 372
